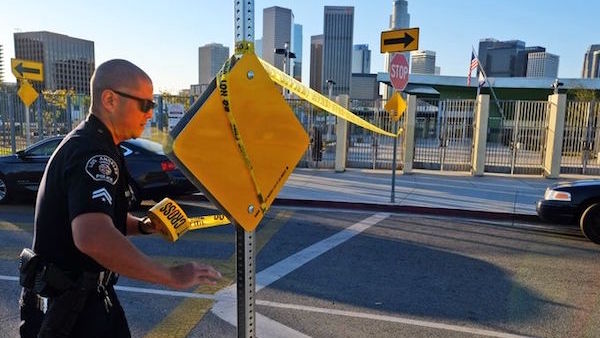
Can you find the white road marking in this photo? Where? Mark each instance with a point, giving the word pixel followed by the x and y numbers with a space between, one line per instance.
pixel 392 319
pixel 226 309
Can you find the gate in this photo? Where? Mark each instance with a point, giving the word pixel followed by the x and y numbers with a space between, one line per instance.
pixel 444 134
pixel 581 142
pixel 517 137
pixel 367 149
pixel 320 127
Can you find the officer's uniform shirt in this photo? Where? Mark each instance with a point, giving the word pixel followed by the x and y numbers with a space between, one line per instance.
pixel 85 174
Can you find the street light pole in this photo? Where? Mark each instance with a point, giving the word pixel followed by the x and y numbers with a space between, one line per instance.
pixel 287 55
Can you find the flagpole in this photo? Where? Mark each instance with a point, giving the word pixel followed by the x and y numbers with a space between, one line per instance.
pixel 480 67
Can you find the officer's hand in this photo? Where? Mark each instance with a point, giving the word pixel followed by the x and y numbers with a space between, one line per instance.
pixel 191 274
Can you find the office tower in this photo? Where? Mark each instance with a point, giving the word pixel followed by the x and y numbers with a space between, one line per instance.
pixel 297 49
pixel 211 58
pixel 438 70
pixel 68 62
pixel 523 57
pixel 422 62
pixel 1 65
pixel 277 32
pixel 316 62
pixel 499 58
pixel 338 30
pixel 591 62
pixel 398 19
pixel 361 59
pixel 542 64
pixel 258 47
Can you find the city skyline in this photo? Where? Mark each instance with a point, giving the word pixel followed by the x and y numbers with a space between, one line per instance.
pixel 163 39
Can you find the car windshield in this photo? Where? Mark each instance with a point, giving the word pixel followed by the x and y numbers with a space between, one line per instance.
pixel 151 146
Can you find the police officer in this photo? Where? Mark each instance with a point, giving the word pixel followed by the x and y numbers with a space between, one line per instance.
pixel 81 219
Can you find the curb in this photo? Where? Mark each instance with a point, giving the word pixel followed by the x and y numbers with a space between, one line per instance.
pixel 291 202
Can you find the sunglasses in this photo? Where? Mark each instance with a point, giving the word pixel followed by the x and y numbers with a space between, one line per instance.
pixel 145 104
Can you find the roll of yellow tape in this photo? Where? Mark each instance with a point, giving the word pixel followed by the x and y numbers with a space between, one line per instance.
pixel 169 219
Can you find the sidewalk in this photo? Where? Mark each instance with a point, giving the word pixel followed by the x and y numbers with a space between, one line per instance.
pixel 423 189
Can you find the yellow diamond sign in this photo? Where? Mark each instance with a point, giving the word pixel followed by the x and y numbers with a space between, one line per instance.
pixel 204 147
pixel 27 93
pixel 395 106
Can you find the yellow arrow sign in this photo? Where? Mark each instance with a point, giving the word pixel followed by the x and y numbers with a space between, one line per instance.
pixel 401 40
pixel 29 70
pixel 395 106
pixel 27 93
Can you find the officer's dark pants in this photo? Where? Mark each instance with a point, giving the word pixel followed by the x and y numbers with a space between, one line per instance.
pixel 93 321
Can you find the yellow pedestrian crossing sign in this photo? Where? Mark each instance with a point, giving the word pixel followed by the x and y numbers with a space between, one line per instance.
pixel 395 106
pixel 27 93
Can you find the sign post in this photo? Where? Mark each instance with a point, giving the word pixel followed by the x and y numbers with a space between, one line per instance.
pixel 24 71
pixel 401 40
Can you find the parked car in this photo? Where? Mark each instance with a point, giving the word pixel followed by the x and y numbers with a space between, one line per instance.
pixel 154 175
pixel 576 202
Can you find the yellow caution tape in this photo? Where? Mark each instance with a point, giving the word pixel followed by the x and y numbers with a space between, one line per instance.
pixel 319 100
pixel 222 78
pixel 172 222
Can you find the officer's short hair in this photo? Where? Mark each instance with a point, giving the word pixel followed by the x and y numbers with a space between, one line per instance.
pixel 115 74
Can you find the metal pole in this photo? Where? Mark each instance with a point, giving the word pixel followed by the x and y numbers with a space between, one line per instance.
pixel 245 240
pixel 27 125
pixel 393 199
pixel 11 114
pixel 40 118
pixel 69 112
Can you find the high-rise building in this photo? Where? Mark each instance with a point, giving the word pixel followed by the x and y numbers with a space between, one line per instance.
pixel 522 57
pixel 1 65
pixel 277 32
pixel 68 62
pixel 398 19
pixel 211 58
pixel 499 58
pixel 361 59
pixel 297 49
pixel 338 31
pixel 316 62
pixel 258 47
pixel 542 64
pixel 422 62
pixel 591 62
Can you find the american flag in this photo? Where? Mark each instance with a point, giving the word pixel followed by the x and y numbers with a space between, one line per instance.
pixel 474 65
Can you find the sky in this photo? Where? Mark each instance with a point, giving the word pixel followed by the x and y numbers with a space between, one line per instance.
pixel 162 37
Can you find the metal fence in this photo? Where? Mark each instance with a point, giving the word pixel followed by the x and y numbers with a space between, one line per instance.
pixel 581 141
pixel 516 137
pixel 365 149
pixel 444 134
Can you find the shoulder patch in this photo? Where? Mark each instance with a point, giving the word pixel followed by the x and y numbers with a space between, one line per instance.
pixel 102 168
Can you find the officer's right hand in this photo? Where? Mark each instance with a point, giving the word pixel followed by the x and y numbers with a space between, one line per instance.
pixel 192 274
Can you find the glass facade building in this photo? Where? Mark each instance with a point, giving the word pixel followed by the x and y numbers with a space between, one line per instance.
pixel 68 62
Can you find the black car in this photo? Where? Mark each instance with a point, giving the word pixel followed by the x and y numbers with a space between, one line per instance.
pixel 154 175
pixel 576 202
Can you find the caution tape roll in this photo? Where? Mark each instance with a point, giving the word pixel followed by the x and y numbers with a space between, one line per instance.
pixel 172 222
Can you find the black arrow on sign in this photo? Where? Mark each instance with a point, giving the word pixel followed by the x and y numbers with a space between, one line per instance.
pixel 406 40
pixel 21 69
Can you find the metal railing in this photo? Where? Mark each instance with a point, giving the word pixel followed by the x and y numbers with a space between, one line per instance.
pixel 444 134
pixel 516 137
pixel 581 138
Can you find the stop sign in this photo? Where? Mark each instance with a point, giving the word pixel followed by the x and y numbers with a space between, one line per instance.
pixel 399 72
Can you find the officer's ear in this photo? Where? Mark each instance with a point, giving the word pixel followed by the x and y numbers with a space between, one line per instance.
pixel 109 100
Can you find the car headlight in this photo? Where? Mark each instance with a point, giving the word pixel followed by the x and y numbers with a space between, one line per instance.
pixel 556 195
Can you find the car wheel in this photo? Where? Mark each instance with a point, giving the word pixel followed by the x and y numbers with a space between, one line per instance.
pixel 3 190
pixel 590 223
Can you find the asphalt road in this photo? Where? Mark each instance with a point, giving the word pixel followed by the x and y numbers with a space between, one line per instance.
pixel 332 273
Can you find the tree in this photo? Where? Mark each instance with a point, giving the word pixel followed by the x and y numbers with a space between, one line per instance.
pixel 583 94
